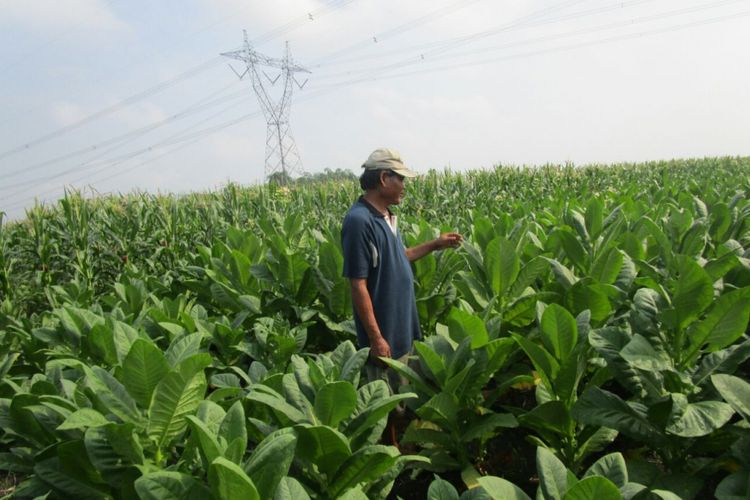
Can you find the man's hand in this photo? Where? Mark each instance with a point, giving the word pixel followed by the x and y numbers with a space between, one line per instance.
pixel 448 240
pixel 379 348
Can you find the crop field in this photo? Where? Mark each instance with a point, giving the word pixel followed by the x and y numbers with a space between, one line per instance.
pixel 587 341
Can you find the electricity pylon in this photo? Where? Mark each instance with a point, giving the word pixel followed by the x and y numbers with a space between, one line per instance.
pixel 281 151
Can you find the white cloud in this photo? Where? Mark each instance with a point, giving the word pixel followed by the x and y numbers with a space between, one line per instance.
pixel 69 14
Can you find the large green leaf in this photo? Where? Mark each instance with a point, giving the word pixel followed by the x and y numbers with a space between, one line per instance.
pixel 177 396
pixel 553 476
pixel 334 402
pixel 693 293
pixel 593 297
pixel 440 489
pixel 611 466
pixel 432 360
pixel 233 429
pixel 530 271
pixel 546 365
pixel 169 485
pixel 601 408
pixel 502 265
pixel 182 348
pixel 270 461
pixel 208 443
pixel 565 276
pixel 551 416
pixel 102 342
pixel 559 331
pixel 424 432
pixel 68 483
pixel 116 468
pixel 725 323
pixel 718 268
pixel 323 446
pixel 229 482
pixel 606 267
pixel 501 489
pixel 290 489
pixel 113 395
pixel 641 354
pixel 412 376
pixel 143 368
pixel 441 408
pixel 78 322
pixel 125 442
pixel 352 367
pixel 295 396
pixel 572 247
pixel 372 413
pixel 462 324
pixel 355 493
pixel 123 336
pixel 267 396
pixel 734 487
pixel 83 419
pixel 593 488
pixel 362 467
pixel 723 361
pixel 735 391
pixel 594 217
pixel 697 419
pixel 486 425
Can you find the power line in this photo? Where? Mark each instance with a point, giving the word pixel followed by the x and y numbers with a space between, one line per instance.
pixel 200 105
pixel 617 38
pixel 169 83
pixel 397 30
pixel 295 23
pixel 628 22
pixel 111 163
pixel 103 112
pixel 420 49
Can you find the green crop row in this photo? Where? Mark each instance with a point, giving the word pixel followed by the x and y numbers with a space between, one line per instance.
pixel 592 328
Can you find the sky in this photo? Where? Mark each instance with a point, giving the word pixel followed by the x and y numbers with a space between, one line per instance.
pixel 112 96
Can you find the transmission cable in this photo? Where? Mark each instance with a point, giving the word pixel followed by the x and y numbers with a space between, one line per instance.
pixel 127 101
pixel 629 22
pixel 164 85
pixel 196 107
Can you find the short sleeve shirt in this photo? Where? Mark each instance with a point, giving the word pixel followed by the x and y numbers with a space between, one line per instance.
pixel 373 250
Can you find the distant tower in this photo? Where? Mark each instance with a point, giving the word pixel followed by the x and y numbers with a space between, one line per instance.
pixel 281 151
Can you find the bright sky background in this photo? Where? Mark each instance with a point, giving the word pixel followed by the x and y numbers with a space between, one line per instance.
pixel 121 95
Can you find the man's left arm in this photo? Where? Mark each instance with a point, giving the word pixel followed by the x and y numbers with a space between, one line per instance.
pixel 446 240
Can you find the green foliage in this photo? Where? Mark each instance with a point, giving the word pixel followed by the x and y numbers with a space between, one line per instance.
pixel 161 347
pixel 454 421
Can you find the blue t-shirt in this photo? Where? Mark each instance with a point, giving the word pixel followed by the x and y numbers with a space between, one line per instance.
pixel 372 250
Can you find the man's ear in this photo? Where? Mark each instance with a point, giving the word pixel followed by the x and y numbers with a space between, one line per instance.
pixel 383 175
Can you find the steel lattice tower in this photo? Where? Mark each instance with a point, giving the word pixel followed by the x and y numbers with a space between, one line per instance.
pixel 281 151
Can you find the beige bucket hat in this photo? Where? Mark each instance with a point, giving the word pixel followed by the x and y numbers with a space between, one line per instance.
pixel 388 159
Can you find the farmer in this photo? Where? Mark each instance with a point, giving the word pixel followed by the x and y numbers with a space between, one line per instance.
pixel 377 264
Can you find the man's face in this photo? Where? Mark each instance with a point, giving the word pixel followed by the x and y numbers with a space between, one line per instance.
pixel 392 187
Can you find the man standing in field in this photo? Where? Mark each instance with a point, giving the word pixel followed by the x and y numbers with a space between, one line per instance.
pixel 377 264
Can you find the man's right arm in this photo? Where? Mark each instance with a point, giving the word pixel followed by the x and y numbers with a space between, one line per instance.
pixel 363 305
